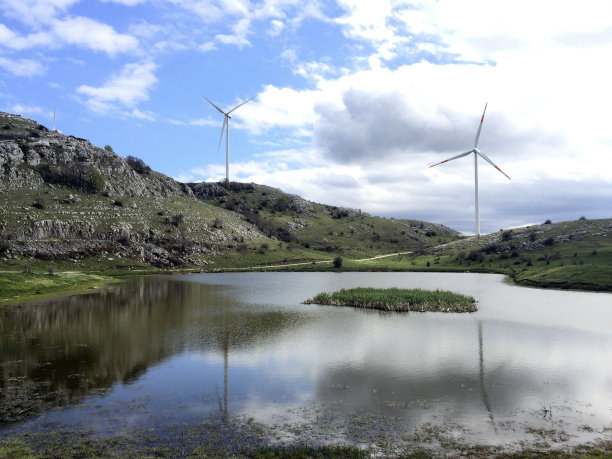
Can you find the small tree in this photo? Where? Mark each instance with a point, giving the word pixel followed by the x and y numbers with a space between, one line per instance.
pixel 138 165
pixel 108 148
pixel 338 262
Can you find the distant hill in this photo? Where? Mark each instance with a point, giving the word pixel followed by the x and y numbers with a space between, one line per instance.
pixel 66 202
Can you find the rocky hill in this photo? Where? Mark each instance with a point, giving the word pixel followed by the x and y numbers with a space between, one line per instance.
pixel 65 200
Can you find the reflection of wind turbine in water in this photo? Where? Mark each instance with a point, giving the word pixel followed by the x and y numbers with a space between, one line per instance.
pixel 483 389
pixel 223 404
pixel 477 153
pixel 225 128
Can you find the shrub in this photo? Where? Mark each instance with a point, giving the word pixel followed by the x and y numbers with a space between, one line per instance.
pixel 582 218
pixel 476 255
pixel 217 223
pixel 177 219
pixel 547 222
pixel 118 203
pixel 109 148
pixel 85 177
pixel 282 203
pixel 38 203
pixel 96 179
pixel 549 241
pixel 338 262
pixel 506 235
pixel 138 165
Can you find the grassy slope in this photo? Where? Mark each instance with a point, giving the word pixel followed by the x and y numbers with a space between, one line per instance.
pixel 355 236
pixel 573 255
pixel 18 287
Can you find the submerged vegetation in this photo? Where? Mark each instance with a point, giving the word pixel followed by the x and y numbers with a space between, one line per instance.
pixel 400 300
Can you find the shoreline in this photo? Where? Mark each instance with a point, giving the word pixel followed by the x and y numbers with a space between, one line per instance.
pixel 94 280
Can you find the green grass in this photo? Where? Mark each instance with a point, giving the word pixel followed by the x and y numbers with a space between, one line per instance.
pixel 18 287
pixel 394 299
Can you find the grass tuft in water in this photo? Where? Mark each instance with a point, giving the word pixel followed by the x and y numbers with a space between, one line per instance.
pixel 394 299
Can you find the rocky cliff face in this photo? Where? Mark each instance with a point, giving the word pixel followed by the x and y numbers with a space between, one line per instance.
pixel 31 154
pixel 63 198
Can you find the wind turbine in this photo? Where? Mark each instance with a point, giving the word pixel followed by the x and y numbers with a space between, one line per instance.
pixel 477 153
pixel 226 128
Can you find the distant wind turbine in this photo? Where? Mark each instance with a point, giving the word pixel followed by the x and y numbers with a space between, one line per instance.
pixel 226 128
pixel 477 153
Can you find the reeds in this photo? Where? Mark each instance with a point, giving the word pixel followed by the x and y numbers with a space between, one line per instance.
pixel 394 299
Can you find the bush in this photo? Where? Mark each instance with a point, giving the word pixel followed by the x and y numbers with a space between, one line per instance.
pixel 85 177
pixel 138 165
pixel 118 203
pixel 177 219
pixel 549 241
pixel 108 148
pixel 506 235
pixel 547 222
pixel 96 179
pixel 38 203
pixel 338 262
pixel 282 203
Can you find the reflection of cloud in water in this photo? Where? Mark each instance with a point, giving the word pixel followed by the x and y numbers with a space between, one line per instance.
pixel 194 348
pixel 405 370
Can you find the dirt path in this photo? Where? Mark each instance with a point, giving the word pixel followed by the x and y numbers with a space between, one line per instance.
pixel 282 265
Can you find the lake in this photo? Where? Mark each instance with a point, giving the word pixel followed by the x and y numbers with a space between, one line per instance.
pixel 166 353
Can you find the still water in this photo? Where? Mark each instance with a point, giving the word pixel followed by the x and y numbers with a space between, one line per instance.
pixel 175 350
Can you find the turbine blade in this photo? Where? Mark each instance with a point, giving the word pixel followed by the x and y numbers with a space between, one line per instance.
pixel 240 105
pixel 222 129
pixel 454 157
pixel 486 158
pixel 221 111
pixel 480 126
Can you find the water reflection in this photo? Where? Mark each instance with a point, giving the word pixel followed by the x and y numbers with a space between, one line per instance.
pixel 176 349
pixel 62 350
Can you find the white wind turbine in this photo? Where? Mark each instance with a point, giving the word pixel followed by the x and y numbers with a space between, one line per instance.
pixel 477 153
pixel 226 128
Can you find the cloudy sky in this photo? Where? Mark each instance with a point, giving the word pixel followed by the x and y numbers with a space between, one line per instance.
pixel 355 98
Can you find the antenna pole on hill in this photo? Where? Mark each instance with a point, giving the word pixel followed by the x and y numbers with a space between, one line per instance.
pixel 54 110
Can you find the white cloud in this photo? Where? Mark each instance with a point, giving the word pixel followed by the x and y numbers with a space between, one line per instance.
pixel 28 110
pixel 125 2
pixel 93 35
pixel 22 67
pixel 130 87
pixel 241 30
pixel 50 30
pixel 35 12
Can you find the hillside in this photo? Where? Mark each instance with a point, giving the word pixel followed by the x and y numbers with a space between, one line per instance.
pixel 568 255
pixel 68 205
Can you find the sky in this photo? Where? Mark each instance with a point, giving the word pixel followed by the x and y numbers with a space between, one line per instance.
pixel 354 99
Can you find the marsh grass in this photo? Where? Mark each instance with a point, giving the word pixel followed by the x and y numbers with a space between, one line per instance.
pixel 394 299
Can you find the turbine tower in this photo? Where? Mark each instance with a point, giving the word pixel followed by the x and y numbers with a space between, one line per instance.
pixel 225 128
pixel 477 153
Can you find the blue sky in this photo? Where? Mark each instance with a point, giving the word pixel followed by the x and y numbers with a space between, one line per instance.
pixel 355 99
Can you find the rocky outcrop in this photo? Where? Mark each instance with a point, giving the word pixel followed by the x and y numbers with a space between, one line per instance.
pixel 28 150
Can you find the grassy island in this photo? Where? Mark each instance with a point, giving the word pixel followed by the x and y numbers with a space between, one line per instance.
pixel 394 299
